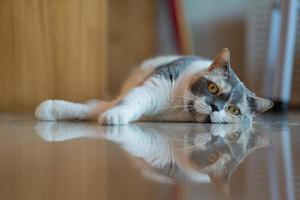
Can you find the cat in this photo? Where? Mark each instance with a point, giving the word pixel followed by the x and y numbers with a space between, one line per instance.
pixel 172 153
pixel 170 88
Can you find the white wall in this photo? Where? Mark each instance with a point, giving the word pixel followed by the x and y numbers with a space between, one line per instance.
pixel 216 24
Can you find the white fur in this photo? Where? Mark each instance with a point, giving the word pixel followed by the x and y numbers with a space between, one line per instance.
pixel 142 96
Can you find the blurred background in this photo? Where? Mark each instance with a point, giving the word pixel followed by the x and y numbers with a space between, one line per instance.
pixel 78 50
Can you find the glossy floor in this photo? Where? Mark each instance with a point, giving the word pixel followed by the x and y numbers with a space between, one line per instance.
pixel 148 161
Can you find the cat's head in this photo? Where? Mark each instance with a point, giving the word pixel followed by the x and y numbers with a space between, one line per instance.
pixel 220 96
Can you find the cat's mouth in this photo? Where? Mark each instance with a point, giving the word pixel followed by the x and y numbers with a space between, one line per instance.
pixel 191 107
pixel 205 118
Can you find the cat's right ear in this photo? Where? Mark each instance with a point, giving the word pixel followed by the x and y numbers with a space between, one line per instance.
pixel 261 104
pixel 260 141
pixel 222 181
pixel 222 60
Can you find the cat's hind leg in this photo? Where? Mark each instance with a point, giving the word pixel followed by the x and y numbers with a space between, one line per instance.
pixel 53 110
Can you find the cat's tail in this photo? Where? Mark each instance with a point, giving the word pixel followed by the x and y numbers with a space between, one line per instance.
pixel 53 110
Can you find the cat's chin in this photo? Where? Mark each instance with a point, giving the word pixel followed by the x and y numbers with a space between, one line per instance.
pixel 203 118
pixel 207 119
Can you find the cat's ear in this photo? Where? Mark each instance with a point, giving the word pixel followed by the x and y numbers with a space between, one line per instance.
pixel 222 181
pixel 222 60
pixel 260 141
pixel 261 104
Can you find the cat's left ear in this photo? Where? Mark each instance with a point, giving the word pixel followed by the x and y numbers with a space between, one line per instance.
pixel 260 104
pixel 222 60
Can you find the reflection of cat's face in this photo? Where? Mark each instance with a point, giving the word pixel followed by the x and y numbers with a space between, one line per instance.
pixel 219 151
pixel 223 144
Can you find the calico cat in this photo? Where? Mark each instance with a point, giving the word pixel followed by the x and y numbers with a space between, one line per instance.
pixel 170 88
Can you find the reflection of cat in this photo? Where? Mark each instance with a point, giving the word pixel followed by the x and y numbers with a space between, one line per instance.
pixel 197 153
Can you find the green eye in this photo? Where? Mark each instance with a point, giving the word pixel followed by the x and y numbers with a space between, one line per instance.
pixel 213 88
pixel 213 157
pixel 234 110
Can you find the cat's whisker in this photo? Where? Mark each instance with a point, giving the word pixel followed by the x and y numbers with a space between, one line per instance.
pixel 179 106
pixel 194 96
pixel 179 114
pixel 174 110
pixel 183 97
pixel 179 139
pixel 185 148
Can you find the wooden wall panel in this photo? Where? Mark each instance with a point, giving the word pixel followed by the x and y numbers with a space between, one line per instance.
pixel 131 37
pixel 51 49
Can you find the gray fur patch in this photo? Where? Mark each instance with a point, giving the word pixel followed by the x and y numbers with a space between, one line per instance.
pixel 251 103
pixel 237 93
pixel 171 71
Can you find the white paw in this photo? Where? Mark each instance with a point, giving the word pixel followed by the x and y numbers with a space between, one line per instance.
pixel 45 111
pixel 61 131
pixel 114 116
pixel 46 130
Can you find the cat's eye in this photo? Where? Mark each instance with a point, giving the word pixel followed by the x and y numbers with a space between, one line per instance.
pixel 213 157
pixel 234 110
pixel 213 88
pixel 232 137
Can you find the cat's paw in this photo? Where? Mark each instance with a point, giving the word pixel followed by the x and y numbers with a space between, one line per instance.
pixel 47 130
pixel 45 111
pixel 114 116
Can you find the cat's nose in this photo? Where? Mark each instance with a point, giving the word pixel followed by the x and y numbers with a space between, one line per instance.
pixel 214 107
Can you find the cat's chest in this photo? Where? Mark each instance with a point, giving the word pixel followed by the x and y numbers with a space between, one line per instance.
pixel 168 115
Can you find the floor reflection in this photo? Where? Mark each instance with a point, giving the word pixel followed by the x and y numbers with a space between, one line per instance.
pixel 199 153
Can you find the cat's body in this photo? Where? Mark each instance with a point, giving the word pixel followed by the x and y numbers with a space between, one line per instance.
pixel 170 88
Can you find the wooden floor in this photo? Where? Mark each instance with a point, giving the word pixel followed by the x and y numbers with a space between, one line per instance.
pixel 148 161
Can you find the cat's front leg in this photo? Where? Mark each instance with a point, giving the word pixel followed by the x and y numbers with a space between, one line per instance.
pixel 118 115
pixel 145 100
